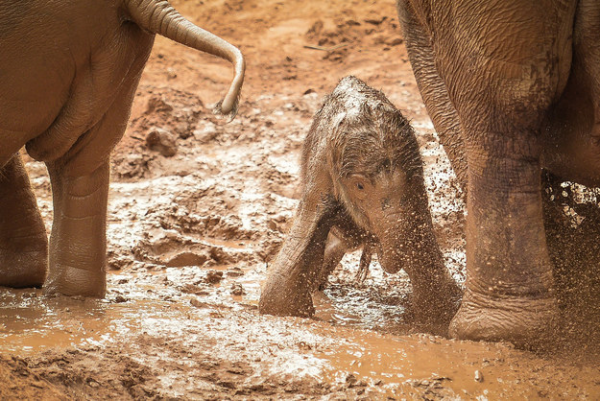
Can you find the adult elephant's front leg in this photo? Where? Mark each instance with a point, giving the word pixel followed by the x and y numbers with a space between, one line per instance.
pixel 509 275
pixel 78 240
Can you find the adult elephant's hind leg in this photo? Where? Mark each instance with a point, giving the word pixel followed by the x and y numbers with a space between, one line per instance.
pixel 23 238
pixel 78 239
pixel 80 180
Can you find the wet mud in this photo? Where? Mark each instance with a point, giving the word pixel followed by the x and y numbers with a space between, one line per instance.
pixel 198 209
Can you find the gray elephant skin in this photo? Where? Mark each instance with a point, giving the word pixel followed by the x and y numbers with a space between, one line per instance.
pixel 512 87
pixel 363 186
pixel 68 75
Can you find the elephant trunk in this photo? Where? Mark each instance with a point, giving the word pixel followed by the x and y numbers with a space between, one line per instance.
pixel 408 242
pixel 159 17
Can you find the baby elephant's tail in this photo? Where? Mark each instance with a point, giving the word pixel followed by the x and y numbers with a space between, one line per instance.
pixel 159 17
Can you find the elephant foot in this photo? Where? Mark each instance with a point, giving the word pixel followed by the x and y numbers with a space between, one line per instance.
pixel 524 322
pixel 74 281
pixel 24 261
pixel 282 301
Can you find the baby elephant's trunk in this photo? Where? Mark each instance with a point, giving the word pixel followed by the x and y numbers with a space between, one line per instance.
pixel 159 17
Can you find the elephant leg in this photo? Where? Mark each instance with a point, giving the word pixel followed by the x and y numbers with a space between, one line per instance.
pixel 502 97
pixel 80 183
pixel 293 276
pixel 78 238
pixel 23 238
pixel 509 275
pixel 335 249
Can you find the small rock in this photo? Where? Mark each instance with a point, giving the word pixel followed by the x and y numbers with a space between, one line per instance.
pixel 478 376
pixel 198 304
pixel 235 272
pixel 206 133
pixel 375 21
pixel 237 289
pixel 214 276
pixel 183 130
pixel 162 141
pixel 120 299
pixel 396 42
pixel 157 104
pixel 171 74
pixel 188 259
pixel 194 289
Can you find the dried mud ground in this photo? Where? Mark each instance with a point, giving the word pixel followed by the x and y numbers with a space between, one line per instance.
pixel 197 210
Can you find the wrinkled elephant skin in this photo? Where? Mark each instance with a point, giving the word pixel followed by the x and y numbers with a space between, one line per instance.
pixel 68 75
pixel 363 186
pixel 512 87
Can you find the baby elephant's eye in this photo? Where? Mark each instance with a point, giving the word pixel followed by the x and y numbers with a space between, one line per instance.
pixel 360 186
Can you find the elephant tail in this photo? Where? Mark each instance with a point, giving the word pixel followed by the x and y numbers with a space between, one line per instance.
pixel 159 17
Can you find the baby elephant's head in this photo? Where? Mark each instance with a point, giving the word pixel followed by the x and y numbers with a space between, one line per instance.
pixel 377 170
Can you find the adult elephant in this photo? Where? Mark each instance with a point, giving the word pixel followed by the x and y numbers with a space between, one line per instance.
pixel 512 87
pixel 68 74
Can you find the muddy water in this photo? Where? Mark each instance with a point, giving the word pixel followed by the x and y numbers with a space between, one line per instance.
pixel 168 313
pixel 365 348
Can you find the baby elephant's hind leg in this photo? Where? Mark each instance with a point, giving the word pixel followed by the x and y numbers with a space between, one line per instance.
pixel 335 249
pixel 23 239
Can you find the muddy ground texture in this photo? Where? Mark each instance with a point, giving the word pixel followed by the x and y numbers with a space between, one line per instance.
pixel 197 210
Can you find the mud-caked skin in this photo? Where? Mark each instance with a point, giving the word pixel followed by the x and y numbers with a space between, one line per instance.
pixel 512 87
pixel 68 74
pixel 363 186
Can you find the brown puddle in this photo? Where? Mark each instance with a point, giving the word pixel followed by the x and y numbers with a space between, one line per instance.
pixel 446 368
pixel 30 322
pixel 334 349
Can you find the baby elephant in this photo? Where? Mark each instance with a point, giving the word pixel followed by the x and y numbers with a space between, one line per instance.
pixel 363 185
pixel 68 74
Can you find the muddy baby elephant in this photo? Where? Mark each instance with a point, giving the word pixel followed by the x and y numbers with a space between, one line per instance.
pixel 68 74
pixel 363 182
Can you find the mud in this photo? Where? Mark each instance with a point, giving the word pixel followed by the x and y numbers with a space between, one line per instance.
pixel 194 223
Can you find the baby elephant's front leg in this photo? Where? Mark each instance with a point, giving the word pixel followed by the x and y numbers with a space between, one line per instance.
pixel 78 239
pixel 292 278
